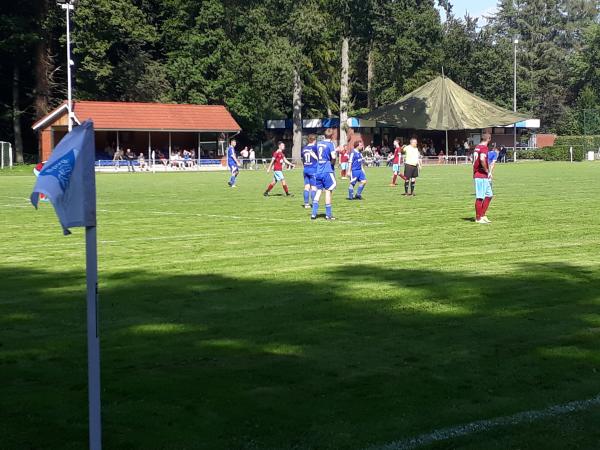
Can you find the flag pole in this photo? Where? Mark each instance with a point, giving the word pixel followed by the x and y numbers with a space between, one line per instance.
pixel 93 339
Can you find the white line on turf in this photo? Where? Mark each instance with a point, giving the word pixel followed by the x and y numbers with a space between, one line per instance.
pixel 219 216
pixel 479 426
pixel 232 217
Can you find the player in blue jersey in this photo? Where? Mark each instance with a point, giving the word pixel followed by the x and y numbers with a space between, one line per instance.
pixel 357 174
pixel 325 176
pixel 232 163
pixel 493 157
pixel 310 161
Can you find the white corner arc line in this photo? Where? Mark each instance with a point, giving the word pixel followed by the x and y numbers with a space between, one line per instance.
pixel 479 426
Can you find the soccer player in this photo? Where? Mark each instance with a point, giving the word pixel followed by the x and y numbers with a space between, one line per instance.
pixel 396 162
pixel 325 175
pixel 412 166
pixel 482 177
pixel 277 165
pixel 310 161
pixel 357 172
pixel 492 158
pixel 344 157
pixel 233 163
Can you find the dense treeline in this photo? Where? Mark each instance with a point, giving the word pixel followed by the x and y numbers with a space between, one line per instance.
pixel 255 56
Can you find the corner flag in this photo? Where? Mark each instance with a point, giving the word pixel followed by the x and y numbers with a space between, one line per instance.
pixel 68 179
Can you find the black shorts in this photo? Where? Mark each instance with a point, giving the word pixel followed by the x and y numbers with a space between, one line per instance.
pixel 411 171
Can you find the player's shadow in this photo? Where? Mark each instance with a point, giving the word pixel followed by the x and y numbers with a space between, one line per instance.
pixel 361 353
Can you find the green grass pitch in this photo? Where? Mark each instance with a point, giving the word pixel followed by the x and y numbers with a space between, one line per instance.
pixel 231 321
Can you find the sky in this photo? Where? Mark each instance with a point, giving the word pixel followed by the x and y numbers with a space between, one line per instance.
pixel 476 8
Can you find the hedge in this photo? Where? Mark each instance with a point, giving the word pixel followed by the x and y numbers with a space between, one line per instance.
pixel 555 153
pixel 587 142
pixel 560 153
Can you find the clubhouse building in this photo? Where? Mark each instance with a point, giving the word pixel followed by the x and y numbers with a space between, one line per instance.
pixel 143 127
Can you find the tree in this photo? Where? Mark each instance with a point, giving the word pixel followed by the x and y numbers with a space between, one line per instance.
pixel 112 41
pixel 18 37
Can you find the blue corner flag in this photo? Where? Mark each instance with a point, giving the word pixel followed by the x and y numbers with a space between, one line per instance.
pixel 68 179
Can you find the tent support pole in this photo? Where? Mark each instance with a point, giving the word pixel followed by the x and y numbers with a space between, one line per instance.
pixel 446 145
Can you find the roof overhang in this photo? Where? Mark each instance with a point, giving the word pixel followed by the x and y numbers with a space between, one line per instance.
pixel 50 118
pixel 63 109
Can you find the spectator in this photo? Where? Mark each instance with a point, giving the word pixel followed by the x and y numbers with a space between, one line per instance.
pixel 502 154
pixel 252 156
pixel 467 146
pixel 117 158
pixel 244 154
pixel 441 157
pixel 163 159
pixel 187 158
pixel 175 160
pixel 390 158
pixel 377 158
pixel 130 157
pixel 142 162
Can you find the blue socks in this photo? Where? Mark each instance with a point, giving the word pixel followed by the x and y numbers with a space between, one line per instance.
pixel 232 180
pixel 315 209
pixel 312 195
pixel 306 197
pixel 351 191
pixel 360 189
pixel 328 210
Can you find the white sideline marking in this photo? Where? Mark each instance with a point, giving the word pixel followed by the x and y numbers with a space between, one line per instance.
pixel 221 216
pixel 488 424
pixel 16 206
pixel 225 216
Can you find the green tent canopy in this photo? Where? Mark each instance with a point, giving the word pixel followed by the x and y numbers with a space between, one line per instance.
pixel 442 105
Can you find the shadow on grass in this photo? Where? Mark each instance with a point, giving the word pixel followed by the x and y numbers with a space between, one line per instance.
pixel 365 355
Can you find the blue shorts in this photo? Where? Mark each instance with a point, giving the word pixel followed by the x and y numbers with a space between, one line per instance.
pixel 326 181
pixel 310 178
pixel 278 175
pixel 396 168
pixel 483 188
pixel 233 169
pixel 358 175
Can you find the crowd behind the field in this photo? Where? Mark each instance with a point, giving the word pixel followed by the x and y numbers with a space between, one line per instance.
pixel 373 155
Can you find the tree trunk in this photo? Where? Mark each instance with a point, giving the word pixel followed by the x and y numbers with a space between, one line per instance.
pixel 43 66
pixel 344 86
pixel 370 77
pixel 17 115
pixel 297 115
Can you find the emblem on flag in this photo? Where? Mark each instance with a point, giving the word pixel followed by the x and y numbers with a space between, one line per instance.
pixel 62 169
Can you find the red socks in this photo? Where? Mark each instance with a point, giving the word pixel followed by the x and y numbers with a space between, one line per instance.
pixel 394 179
pixel 343 173
pixel 478 208
pixel 285 188
pixel 485 205
pixel 270 186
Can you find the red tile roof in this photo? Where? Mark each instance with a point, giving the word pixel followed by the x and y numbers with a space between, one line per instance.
pixel 149 116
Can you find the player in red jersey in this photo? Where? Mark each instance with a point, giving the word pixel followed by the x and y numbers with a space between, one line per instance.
pixel 36 171
pixel 344 158
pixel 482 176
pixel 396 162
pixel 277 165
